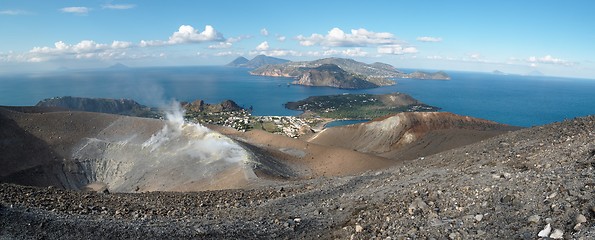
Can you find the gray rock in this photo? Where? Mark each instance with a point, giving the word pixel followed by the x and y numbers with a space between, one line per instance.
pixel 534 219
pixel 545 232
pixel 557 234
pixel 581 218
pixel 359 228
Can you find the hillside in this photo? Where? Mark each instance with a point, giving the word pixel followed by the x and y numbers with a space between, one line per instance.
pixel 410 135
pixel 199 106
pixel 512 186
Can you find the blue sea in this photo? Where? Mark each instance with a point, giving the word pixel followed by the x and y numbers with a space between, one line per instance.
pixel 511 99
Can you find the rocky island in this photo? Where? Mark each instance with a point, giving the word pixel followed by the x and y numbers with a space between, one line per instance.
pixel 322 73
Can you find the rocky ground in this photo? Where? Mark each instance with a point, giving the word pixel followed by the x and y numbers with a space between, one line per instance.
pixel 522 185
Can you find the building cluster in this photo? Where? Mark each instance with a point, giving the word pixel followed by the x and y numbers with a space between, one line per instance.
pixel 288 125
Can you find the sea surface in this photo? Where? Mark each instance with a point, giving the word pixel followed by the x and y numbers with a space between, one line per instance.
pixel 511 99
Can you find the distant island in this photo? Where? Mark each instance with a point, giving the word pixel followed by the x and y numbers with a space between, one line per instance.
pixel 256 62
pixel 440 75
pixel 102 105
pixel 359 106
pixel 118 66
pixel 498 72
pixel 341 73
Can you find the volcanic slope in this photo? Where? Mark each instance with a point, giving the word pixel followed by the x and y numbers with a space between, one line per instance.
pixel 409 135
pixel 79 150
pixel 511 186
pixel 76 150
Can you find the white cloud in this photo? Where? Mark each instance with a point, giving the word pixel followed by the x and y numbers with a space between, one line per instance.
pixel 396 49
pixel 429 39
pixel 118 6
pixel 187 34
pixel 76 10
pixel 237 39
pixel 221 45
pixel 277 53
pixel 13 12
pixel 120 44
pixel 357 38
pixel 351 52
pixel 475 56
pixel 263 46
pixel 264 32
pixel 226 53
pixel 84 46
pixel 548 59
pixel 85 49
pixel 281 38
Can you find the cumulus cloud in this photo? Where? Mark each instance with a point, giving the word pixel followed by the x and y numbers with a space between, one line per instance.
pixel 85 49
pixel 338 38
pixel 429 39
pixel 264 32
pixel 187 34
pixel 221 45
pixel 396 49
pixel 263 46
pixel 76 10
pixel 120 44
pixel 281 38
pixel 118 6
pixel 548 59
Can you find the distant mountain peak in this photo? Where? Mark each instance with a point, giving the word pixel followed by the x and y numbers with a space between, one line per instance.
pixel 238 62
pixel 118 66
pixel 256 62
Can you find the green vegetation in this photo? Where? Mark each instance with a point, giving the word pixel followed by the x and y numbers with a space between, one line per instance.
pixel 359 106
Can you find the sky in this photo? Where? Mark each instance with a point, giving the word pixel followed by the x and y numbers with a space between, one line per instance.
pixel 519 37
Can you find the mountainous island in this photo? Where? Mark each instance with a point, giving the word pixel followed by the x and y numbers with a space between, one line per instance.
pixel 341 73
pixel 359 106
pixel 255 62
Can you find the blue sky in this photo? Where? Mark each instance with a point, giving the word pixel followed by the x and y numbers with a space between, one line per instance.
pixel 553 37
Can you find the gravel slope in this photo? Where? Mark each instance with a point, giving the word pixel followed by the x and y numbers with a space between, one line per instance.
pixel 507 187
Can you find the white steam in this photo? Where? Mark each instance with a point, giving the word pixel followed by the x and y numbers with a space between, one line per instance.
pixel 193 140
pixel 179 154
